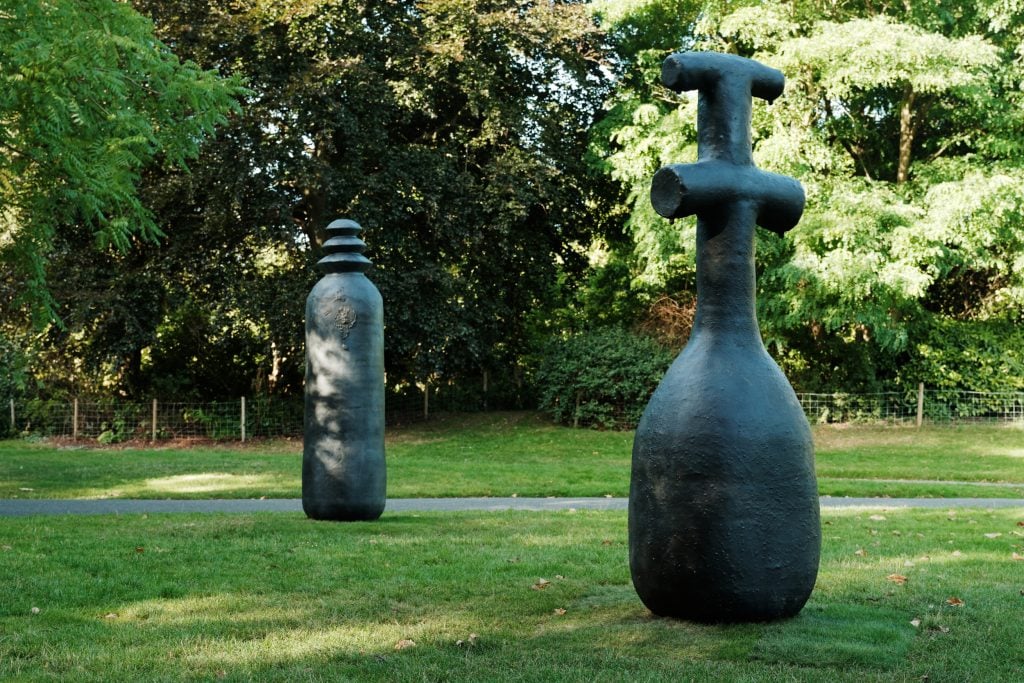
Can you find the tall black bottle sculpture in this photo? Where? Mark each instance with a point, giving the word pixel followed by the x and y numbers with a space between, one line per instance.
pixel 723 503
pixel 343 469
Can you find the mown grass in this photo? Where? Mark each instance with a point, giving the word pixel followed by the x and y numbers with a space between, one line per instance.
pixel 277 597
pixel 501 454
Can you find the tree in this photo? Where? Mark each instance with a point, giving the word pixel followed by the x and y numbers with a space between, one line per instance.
pixel 453 130
pixel 904 127
pixel 89 99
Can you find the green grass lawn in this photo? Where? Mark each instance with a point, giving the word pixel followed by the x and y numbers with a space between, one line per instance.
pixel 501 454
pixel 902 596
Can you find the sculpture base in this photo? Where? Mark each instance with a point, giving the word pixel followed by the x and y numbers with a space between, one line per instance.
pixel 723 505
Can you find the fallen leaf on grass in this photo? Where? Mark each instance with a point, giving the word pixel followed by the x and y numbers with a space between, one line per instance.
pixel 897 579
pixel 140 549
pixel 606 541
pixel 559 611
pixel 1017 556
pixel 860 552
pixel 1020 523
pixel 957 553
pixel 877 518
pixel 993 535
pixel 405 643
pixel 112 615
pixel 469 642
pixel 541 584
pixel 34 610
pixel 915 622
pixel 954 602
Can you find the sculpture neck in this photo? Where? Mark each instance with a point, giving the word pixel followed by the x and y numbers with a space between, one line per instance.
pixel 725 276
pixel 723 123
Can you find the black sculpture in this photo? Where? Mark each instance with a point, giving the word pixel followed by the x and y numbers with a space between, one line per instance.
pixel 723 503
pixel 343 469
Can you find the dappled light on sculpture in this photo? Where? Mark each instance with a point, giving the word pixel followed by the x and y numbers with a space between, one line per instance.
pixel 343 468
pixel 723 505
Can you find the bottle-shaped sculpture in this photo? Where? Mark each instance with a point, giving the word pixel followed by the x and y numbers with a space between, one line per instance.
pixel 723 503
pixel 343 469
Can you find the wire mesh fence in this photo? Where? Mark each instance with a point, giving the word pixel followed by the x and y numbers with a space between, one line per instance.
pixel 113 421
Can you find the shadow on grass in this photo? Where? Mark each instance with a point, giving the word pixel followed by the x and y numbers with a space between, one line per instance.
pixel 279 597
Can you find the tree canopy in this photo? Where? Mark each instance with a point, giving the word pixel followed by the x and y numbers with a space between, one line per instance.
pixel 89 99
pixel 498 154
pixel 903 125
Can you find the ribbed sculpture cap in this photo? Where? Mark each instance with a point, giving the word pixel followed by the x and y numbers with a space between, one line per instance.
pixel 343 249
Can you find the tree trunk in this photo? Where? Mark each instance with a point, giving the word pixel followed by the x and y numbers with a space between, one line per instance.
pixel 907 129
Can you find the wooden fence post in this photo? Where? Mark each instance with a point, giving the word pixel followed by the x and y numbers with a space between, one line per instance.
pixel 920 403
pixel 153 424
pixel 243 419
pixel 74 419
pixel 485 388
pixel 426 400
pixel 14 425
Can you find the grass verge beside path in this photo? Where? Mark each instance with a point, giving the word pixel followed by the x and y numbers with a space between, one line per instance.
pixel 501 454
pixel 902 595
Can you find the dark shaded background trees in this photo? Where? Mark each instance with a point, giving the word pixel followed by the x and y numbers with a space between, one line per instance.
pixel 499 153
pixel 453 130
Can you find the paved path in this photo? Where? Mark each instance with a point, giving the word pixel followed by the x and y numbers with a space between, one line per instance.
pixel 23 507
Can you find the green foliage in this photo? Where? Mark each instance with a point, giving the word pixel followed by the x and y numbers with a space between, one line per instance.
pixel 976 356
pixel 452 131
pixel 602 378
pixel 901 127
pixel 12 378
pixel 89 98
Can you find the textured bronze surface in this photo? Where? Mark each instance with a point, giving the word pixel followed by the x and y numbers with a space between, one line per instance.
pixel 723 504
pixel 343 468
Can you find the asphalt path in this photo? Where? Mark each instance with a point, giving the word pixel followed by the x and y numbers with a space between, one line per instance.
pixel 21 507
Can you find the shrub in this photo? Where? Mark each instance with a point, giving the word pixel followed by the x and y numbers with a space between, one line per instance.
pixel 602 378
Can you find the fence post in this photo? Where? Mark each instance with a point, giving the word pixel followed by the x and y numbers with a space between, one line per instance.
pixel 485 388
pixel 920 403
pixel 74 419
pixel 243 419
pixel 426 400
pixel 14 425
pixel 153 424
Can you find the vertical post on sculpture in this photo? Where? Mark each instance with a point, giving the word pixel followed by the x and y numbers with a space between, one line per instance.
pixel 343 467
